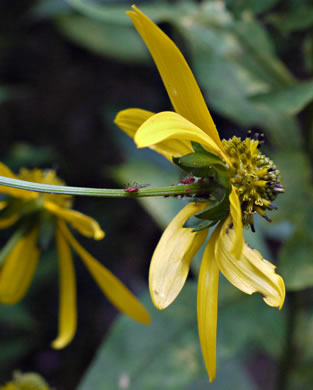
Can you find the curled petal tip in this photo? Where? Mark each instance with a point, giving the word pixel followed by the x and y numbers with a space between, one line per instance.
pixel 58 344
pixel 99 234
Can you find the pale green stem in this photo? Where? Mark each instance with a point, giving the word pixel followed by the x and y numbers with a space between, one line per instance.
pixel 179 189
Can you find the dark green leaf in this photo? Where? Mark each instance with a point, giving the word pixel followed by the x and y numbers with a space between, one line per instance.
pixel 296 263
pixel 295 20
pixel 161 11
pixel 256 6
pixel 232 376
pixel 163 355
pixel 217 210
pixel 197 224
pixel 199 160
pixel 296 178
pixel 203 165
pixel 111 40
pixel 50 8
pixel 167 355
pixel 16 317
pixel 290 100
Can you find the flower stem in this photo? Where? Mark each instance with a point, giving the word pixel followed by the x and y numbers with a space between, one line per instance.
pixel 287 362
pixel 131 192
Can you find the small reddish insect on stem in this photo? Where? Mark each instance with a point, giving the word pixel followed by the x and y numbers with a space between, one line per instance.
pixel 135 187
pixel 131 189
pixel 188 180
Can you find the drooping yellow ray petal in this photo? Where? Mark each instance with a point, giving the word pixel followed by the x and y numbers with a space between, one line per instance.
pixel 14 192
pixel 131 119
pixel 5 222
pixel 207 306
pixel 177 77
pixel 67 294
pixel 18 270
pixel 235 212
pixel 172 257
pixel 114 290
pixel 168 125
pixel 86 225
pixel 251 273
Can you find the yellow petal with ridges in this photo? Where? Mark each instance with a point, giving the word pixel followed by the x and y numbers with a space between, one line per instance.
pixel 177 77
pixel 172 257
pixel 18 270
pixel 131 119
pixel 110 285
pixel 168 125
pixel 251 273
pixel 207 306
pixel 86 225
pixel 67 294
pixel 236 216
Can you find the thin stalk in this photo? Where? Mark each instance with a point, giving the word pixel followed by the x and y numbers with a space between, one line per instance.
pixel 288 356
pixel 132 192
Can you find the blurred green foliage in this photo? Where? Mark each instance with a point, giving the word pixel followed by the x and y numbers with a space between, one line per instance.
pixel 254 62
pixel 169 347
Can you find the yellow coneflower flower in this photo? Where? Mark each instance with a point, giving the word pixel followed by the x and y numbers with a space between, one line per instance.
pixel 189 136
pixel 33 212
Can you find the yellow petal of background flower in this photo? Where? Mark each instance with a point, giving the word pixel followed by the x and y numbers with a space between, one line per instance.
pixel 207 305
pixel 251 273
pixel 67 294
pixel 171 258
pixel 168 125
pixel 235 212
pixel 114 290
pixel 177 77
pixel 18 270
pixel 86 225
pixel 5 222
pixel 5 171
pixel 3 204
pixel 14 192
pixel 131 119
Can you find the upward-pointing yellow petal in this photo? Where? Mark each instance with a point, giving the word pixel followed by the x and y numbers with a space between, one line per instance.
pixel 131 119
pixel 177 77
pixel 168 125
